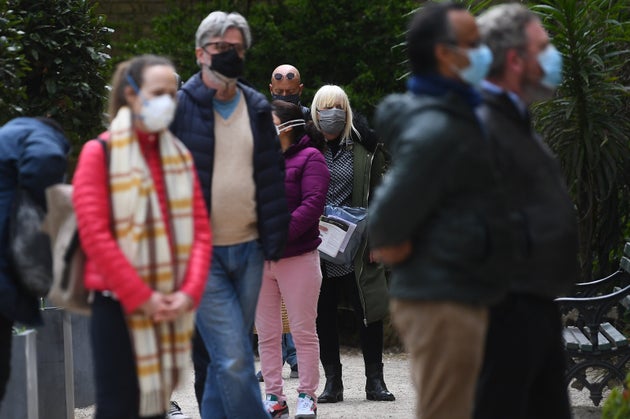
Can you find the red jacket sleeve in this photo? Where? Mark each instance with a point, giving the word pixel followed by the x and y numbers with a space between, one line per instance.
pixel 92 207
pixel 201 253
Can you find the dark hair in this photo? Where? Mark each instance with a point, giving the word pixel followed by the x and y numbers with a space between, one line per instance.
pixel 287 111
pixel 429 26
pixel 51 123
pixel 135 69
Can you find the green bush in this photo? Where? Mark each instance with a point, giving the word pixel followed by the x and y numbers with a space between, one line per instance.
pixel 13 65
pixel 617 405
pixel 350 43
pixel 64 49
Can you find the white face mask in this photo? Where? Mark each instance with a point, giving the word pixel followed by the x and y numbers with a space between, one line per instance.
pixel 157 113
pixel 289 124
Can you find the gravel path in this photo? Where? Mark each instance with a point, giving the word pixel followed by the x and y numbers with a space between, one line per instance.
pixel 355 405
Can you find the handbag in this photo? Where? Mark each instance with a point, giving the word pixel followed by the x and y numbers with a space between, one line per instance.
pixel 29 251
pixel 68 288
pixel 342 230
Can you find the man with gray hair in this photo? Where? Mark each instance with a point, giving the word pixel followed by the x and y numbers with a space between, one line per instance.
pixel 449 241
pixel 229 130
pixel 523 371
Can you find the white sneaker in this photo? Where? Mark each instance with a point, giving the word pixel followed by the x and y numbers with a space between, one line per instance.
pixel 306 407
pixel 175 412
pixel 275 408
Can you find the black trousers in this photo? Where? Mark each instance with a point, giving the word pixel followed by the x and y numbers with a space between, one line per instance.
pixel 523 370
pixel 117 391
pixel 371 336
pixel 201 359
pixel 6 335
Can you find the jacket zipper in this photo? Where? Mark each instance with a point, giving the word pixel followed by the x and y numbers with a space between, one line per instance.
pixel 368 175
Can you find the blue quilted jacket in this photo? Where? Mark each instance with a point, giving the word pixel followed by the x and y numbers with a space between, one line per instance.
pixel 194 126
pixel 33 153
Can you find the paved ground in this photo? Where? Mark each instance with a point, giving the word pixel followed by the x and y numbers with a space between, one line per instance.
pixel 355 405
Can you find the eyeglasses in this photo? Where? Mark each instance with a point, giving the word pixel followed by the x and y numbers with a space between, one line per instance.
pixel 223 46
pixel 289 76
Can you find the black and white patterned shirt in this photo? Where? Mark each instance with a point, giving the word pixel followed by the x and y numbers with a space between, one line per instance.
pixel 339 159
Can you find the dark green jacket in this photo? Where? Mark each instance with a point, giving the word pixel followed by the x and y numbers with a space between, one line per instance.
pixel 443 193
pixel 368 170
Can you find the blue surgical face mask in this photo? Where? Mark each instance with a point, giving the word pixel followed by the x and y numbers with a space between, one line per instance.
pixel 550 61
pixel 480 59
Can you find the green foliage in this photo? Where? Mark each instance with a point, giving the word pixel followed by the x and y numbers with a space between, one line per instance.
pixel 347 42
pixel 13 66
pixel 617 405
pixel 64 48
pixel 587 124
pixel 172 35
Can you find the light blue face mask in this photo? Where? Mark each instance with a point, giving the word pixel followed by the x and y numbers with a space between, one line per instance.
pixel 480 59
pixel 550 61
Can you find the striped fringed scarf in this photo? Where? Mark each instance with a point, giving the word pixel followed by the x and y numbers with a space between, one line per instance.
pixel 162 350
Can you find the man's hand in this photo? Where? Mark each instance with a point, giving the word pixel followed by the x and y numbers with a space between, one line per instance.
pixel 392 255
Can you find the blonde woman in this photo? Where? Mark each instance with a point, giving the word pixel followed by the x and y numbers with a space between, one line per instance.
pixel 145 231
pixel 356 162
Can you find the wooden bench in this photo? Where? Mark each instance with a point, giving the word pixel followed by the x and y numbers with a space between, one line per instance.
pixel 595 343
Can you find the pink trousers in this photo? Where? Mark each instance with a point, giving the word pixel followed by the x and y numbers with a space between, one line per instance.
pixel 297 280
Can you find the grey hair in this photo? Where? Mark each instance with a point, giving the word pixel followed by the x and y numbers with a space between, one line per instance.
pixel 502 27
pixel 215 25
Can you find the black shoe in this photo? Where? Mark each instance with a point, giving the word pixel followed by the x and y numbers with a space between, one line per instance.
pixel 260 377
pixel 294 372
pixel 333 390
pixel 375 388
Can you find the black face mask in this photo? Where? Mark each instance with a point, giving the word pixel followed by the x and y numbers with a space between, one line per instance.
pixel 295 99
pixel 228 64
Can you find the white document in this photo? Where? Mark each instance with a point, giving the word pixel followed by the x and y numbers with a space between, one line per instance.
pixel 348 233
pixel 333 233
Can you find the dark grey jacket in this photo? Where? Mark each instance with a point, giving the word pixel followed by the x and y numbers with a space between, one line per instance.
pixel 441 192
pixel 536 190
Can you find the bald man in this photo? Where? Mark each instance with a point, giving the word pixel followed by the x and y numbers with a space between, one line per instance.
pixel 286 84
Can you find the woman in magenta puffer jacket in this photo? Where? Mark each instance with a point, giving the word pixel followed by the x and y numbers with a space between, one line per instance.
pixel 296 277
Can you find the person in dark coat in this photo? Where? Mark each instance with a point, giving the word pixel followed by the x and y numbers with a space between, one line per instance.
pixel 439 217
pixel 228 128
pixel 33 156
pixel 286 84
pixel 357 162
pixel 526 68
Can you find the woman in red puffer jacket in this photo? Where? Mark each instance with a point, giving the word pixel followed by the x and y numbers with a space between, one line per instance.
pixel 145 231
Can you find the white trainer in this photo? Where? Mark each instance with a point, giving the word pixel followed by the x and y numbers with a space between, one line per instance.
pixel 306 407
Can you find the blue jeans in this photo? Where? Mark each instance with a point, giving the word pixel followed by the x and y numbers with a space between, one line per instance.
pixel 289 354
pixel 225 320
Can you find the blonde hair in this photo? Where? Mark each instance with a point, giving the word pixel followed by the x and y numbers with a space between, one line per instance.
pixel 327 97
